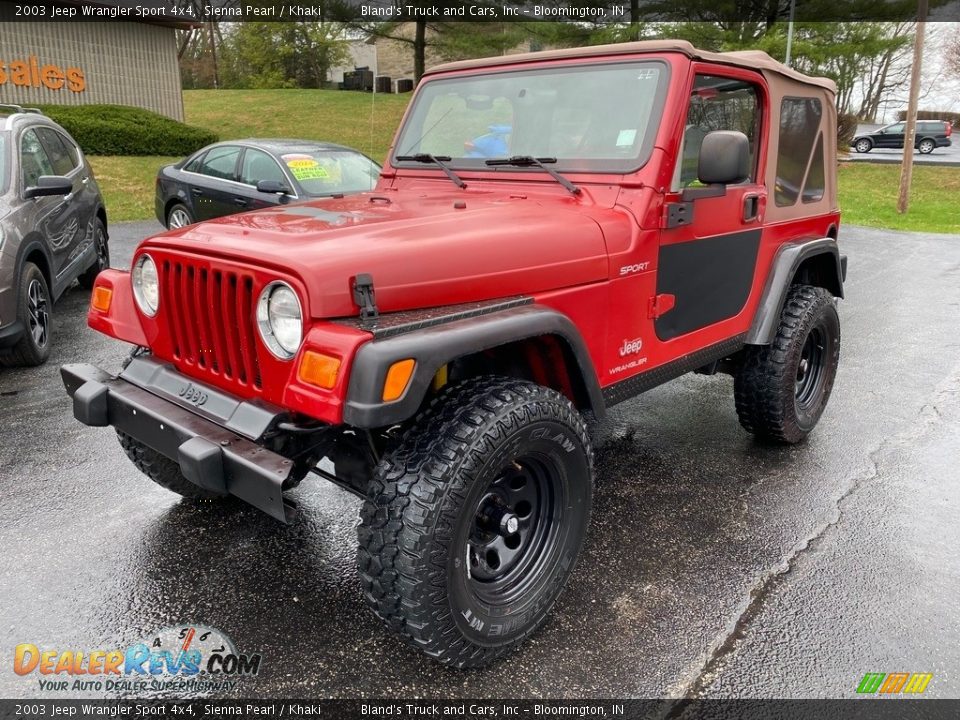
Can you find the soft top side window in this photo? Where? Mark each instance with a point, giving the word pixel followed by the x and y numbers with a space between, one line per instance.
pixel 799 151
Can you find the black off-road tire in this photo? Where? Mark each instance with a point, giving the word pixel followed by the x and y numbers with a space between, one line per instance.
pixel 103 256
pixel 162 470
pixel 34 308
pixel 777 397
pixel 420 524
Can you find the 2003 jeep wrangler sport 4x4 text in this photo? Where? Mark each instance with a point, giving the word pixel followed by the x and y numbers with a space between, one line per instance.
pixel 553 233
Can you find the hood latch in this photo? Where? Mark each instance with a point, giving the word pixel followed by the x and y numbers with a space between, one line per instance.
pixel 365 298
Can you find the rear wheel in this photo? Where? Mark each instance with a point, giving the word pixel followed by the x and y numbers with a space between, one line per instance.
pixel 473 523
pixel 178 216
pixel 35 313
pixel 162 470
pixel 926 146
pixel 103 257
pixel 782 388
pixel 863 145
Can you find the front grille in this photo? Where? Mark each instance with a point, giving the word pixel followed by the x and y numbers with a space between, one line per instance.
pixel 211 320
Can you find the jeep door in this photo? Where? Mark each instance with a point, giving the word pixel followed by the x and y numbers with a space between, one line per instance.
pixel 58 218
pixel 711 236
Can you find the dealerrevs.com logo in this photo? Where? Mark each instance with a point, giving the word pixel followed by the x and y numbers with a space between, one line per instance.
pixel 182 658
pixel 894 683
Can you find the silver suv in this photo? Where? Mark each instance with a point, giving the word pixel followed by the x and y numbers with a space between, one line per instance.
pixel 53 229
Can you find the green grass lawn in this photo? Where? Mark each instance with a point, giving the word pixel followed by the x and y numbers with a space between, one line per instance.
pixel 868 196
pixel 361 120
pixel 127 184
pixel 868 193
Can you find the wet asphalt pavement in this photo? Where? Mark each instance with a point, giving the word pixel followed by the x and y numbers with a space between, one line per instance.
pixel 715 566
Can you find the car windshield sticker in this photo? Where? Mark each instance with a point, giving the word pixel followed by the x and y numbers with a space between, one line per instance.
pixel 626 137
pixel 305 167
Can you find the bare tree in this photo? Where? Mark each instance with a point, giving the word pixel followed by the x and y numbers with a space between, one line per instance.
pixel 952 55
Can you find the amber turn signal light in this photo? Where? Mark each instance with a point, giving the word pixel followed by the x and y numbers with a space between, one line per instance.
pixel 101 298
pixel 398 377
pixel 319 369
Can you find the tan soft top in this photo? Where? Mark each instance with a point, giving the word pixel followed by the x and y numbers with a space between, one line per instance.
pixel 752 59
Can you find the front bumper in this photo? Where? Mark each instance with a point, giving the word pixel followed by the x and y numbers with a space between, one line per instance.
pixel 217 452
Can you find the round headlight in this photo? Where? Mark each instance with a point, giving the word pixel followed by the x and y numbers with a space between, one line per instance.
pixel 280 320
pixel 146 285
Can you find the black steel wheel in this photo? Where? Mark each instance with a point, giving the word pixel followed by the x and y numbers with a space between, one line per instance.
pixel 473 523
pixel 103 256
pixel 35 314
pixel 782 389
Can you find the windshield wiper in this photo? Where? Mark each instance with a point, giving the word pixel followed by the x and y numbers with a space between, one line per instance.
pixel 437 160
pixel 530 161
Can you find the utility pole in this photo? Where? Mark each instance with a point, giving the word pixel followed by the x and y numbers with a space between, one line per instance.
pixel 793 10
pixel 910 131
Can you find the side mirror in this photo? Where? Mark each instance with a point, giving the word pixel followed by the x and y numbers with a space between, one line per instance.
pixel 272 186
pixel 49 185
pixel 724 158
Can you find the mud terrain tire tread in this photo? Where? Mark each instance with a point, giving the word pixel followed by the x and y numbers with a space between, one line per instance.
pixel 162 470
pixel 401 562
pixel 764 386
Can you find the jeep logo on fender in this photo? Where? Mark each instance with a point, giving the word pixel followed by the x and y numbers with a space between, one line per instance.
pixel 631 347
pixel 193 395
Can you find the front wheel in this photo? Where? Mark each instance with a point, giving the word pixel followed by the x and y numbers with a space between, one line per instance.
pixel 472 525
pixel 782 389
pixel 35 313
pixel 926 146
pixel 162 470
pixel 863 145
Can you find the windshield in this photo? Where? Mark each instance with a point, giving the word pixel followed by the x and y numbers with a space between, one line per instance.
pixel 594 118
pixel 331 172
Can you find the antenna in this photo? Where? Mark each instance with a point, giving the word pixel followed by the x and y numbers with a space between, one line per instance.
pixel 373 105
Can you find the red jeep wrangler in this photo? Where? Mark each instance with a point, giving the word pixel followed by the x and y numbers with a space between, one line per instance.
pixel 637 212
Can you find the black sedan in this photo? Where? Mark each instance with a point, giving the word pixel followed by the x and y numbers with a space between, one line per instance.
pixel 236 176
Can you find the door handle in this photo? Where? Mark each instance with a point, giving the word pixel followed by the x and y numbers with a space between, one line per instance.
pixel 240 201
pixel 751 207
pixel 85 180
pixel 196 191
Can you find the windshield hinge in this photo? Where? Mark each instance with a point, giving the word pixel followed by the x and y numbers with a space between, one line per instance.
pixel 365 299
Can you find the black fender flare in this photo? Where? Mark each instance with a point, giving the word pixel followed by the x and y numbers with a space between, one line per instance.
pixel 782 272
pixel 433 347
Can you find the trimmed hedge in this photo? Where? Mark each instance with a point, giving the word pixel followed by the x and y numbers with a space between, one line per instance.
pixel 950 117
pixel 124 130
